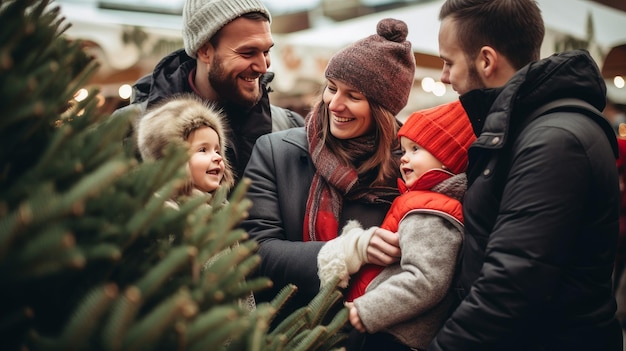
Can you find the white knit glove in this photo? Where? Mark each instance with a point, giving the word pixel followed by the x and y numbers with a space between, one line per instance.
pixel 344 255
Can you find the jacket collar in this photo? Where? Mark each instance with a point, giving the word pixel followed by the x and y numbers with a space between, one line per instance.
pixel 296 137
pixel 440 181
pixel 492 111
pixel 426 181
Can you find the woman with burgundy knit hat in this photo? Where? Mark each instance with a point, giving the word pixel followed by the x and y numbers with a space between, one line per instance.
pixel 402 306
pixel 308 182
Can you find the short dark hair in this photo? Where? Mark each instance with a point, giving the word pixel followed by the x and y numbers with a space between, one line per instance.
pixel 514 28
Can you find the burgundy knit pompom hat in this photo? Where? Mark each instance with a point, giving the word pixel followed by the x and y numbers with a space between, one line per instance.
pixel 444 131
pixel 381 66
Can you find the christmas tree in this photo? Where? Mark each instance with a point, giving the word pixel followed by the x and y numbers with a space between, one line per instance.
pixel 90 258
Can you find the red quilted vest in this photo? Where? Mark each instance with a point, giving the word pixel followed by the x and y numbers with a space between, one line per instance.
pixel 422 200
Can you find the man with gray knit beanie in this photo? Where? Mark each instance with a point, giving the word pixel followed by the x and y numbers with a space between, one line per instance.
pixel 224 60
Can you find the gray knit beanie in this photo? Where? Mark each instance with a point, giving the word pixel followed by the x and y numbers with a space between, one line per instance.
pixel 381 66
pixel 203 18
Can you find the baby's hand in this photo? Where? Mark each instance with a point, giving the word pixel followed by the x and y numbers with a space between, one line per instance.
pixel 354 317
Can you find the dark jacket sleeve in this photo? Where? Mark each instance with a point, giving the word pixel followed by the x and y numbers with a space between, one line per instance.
pixel 280 174
pixel 538 246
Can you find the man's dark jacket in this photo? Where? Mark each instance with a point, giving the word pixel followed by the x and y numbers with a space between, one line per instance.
pixel 541 217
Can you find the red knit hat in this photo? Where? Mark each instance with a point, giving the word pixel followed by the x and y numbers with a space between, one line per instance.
pixel 444 131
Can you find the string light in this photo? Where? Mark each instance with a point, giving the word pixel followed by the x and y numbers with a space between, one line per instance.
pixel 428 84
pixel 125 91
pixel 439 89
pixel 81 95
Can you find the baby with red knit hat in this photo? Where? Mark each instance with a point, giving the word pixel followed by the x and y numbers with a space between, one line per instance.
pixel 408 302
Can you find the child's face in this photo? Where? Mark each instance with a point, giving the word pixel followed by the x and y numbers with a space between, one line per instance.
pixel 415 161
pixel 206 163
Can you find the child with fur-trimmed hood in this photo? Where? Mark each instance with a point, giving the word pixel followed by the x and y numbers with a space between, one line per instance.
pixel 405 304
pixel 189 121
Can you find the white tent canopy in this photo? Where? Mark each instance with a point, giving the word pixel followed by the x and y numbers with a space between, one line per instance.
pixel 422 20
pixel 570 18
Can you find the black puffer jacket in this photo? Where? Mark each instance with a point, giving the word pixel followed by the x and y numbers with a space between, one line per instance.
pixel 537 260
pixel 171 77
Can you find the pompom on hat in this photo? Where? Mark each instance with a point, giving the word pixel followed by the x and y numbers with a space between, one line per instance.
pixel 381 66
pixel 203 18
pixel 444 131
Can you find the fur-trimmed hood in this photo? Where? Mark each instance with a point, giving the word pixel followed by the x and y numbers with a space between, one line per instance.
pixel 173 120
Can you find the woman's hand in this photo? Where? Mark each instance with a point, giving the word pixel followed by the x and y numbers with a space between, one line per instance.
pixel 383 248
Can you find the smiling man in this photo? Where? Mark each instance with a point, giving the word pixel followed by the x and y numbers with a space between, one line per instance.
pixel 225 60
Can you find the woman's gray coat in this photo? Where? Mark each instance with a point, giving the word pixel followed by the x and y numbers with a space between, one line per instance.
pixel 281 171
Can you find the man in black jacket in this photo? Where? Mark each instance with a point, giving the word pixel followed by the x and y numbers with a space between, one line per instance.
pixel 225 61
pixel 541 210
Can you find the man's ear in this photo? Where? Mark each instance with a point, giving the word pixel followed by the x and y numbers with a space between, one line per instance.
pixel 205 53
pixel 487 62
pixel 494 68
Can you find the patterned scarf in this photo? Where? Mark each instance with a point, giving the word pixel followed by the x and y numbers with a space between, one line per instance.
pixel 334 181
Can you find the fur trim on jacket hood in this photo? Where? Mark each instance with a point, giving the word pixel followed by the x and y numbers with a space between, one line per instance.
pixel 173 120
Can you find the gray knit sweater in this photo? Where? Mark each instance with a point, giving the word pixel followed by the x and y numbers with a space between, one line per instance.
pixel 411 299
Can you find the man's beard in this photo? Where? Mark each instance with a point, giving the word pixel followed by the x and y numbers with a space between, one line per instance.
pixel 473 78
pixel 227 89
